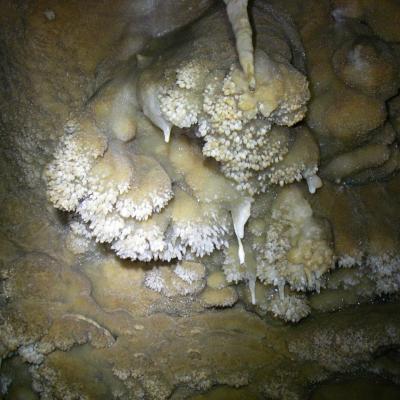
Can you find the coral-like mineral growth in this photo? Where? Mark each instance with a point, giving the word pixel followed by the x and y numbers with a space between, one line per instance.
pixel 162 201
pixel 239 126
pixel 224 174
pixel 187 159
pixel 291 246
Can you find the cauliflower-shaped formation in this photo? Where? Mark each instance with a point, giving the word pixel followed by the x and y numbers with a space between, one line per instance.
pixel 73 160
pixel 190 271
pixel 236 123
pixel 170 282
pixel 104 184
pixel 300 162
pixel 286 304
pixel 191 75
pixel 239 101
pixel 295 249
pixel 292 307
pixel 180 107
pixel 180 103
pixel 182 227
pixel 188 278
pixel 150 200
pixel 150 190
pixel 127 199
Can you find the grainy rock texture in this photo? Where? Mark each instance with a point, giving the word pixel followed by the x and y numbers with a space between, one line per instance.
pixel 181 270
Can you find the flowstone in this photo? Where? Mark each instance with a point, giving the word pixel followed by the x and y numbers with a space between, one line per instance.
pixel 243 258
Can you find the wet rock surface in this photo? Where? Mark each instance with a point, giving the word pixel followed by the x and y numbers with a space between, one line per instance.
pixel 84 324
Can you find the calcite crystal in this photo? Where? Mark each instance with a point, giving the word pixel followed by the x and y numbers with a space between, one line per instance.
pixel 179 192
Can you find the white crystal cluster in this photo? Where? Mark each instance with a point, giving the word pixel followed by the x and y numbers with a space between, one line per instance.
pixel 67 174
pixel 187 278
pixel 292 307
pixel 287 248
pixel 375 275
pixel 121 198
pixel 295 249
pixel 238 126
pixel 155 201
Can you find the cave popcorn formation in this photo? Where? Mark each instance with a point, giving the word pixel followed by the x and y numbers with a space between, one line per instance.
pixel 164 201
pixel 241 128
pixel 127 199
pixel 236 123
pixel 296 248
pixel 183 316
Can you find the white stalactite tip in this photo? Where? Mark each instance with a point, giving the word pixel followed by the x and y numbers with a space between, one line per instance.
pixel 167 133
pixel 314 182
pixel 241 253
pixel 240 215
pixel 252 288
